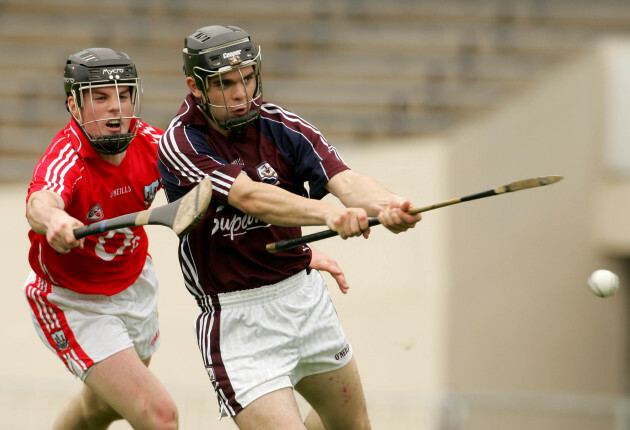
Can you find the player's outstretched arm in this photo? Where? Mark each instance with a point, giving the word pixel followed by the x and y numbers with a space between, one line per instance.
pixel 46 215
pixel 354 189
pixel 275 205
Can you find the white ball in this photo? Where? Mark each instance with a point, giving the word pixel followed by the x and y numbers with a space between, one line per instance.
pixel 603 283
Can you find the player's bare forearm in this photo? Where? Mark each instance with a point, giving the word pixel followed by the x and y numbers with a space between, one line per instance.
pixel 41 206
pixel 46 215
pixel 277 206
pixel 359 190
pixel 274 205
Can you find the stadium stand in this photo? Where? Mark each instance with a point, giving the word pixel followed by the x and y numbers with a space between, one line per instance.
pixel 359 70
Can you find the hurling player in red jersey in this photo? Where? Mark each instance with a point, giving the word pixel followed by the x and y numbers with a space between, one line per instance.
pixel 266 325
pixel 94 301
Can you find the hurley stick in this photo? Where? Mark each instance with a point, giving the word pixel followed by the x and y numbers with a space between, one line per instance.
pixel 180 215
pixel 524 184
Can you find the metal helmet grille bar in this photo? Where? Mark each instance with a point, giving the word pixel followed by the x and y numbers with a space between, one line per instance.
pixel 252 102
pixel 109 143
pixel 215 50
pixel 98 67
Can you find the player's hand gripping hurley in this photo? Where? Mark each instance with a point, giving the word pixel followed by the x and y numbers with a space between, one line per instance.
pixel 181 215
pixel 524 184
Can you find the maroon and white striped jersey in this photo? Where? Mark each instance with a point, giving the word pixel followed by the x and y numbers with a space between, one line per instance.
pixel 226 251
pixel 94 189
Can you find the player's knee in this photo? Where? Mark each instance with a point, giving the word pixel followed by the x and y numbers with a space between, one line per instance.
pixel 163 416
pixel 169 418
pixel 158 415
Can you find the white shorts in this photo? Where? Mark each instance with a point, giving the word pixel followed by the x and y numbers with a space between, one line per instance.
pixel 258 341
pixel 83 329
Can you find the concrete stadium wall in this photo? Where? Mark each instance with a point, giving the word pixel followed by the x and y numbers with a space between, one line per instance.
pixel 521 318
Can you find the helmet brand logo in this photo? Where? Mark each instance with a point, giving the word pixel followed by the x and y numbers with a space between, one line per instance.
pixel 113 73
pixel 68 80
pixel 231 54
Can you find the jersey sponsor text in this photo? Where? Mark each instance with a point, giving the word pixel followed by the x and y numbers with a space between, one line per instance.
pixel 239 224
pixel 122 190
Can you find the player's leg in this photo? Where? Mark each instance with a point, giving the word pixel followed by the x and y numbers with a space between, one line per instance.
pixel 101 340
pixel 313 421
pixel 120 386
pixel 125 383
pixel 285 413
pixel 85 410
pixel 123 379
pixel 275 410
pixel 327 376
pixel 338 398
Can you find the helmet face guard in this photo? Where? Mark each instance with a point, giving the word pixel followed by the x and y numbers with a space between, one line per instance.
pixel 93 129
pixel 95 68
pixel 213 51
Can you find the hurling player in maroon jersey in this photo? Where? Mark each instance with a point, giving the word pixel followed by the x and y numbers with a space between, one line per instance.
pixel 94 301
pixel 266 324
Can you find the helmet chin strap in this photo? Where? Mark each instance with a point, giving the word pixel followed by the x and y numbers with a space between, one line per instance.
pixel 114 144
pixel 237 124
pixel 107 144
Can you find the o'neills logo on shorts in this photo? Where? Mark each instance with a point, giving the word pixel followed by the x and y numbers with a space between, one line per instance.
pixel 341 354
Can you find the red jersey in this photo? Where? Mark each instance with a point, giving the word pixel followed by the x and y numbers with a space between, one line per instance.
pixel 94 189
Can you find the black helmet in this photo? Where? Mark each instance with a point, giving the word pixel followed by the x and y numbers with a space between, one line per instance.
pixel 104 67
pixel 216 49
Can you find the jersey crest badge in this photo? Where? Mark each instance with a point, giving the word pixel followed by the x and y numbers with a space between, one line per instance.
pixel 95 214
pixel 60 340
pixel 149 192
pixel 267 174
